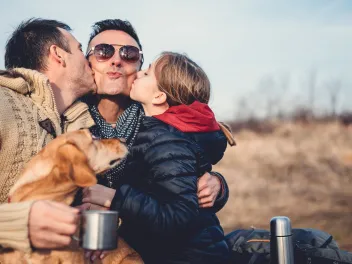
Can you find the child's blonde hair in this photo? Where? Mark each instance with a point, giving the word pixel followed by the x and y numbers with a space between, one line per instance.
pixel 181 79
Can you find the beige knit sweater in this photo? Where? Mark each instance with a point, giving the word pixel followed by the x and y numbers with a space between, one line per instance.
pixel 26 99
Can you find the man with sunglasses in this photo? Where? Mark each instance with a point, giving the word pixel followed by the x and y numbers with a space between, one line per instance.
pixel 115 55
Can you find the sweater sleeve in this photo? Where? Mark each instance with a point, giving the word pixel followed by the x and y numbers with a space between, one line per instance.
pixel 166 218
pixel 14 225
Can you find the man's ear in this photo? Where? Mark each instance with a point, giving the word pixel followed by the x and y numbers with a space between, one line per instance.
pixel 79 171
pixel 57 54
pixel 159 98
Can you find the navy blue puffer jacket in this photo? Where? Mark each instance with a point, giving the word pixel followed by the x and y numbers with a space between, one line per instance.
pixel 159 205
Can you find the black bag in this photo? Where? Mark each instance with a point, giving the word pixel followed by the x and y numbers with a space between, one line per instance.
pixel 310 246
pixel 249 246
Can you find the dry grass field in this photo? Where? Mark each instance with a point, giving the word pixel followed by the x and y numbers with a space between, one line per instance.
pixel 303 171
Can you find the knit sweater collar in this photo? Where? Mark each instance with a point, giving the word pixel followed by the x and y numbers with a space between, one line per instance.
pixel 37 86
pixel 33 83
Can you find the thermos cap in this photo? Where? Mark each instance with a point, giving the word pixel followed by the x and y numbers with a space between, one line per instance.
pixel 280 226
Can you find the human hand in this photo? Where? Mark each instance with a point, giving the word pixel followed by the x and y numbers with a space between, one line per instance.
pixel 95 254
pixel 51 224
pixel 98 195
pixel 90 206
pixel 209 187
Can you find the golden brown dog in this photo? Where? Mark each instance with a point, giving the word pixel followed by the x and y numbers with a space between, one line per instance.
pixel 68 162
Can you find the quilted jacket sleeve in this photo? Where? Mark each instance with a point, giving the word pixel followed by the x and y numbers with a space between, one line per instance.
pixel 172 202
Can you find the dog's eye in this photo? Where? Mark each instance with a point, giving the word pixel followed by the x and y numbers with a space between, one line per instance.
pixel 113 162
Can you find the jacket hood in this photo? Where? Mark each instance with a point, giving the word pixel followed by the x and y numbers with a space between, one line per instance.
pixel 198 122
pixel 196 117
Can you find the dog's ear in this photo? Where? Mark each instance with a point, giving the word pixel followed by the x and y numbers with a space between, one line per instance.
pixel 79 171
pixel 79 136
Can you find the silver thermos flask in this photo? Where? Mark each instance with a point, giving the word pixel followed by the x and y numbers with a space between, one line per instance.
pixel 281 246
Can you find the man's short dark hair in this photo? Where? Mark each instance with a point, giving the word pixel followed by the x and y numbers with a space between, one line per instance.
pixel 28 46
pixel 115 24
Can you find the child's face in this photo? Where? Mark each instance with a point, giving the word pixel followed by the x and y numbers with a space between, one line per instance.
pixel 145 87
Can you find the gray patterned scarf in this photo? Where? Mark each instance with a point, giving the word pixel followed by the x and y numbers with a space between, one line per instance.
pixel 127 127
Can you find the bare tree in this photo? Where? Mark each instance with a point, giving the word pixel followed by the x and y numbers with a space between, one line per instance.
pixel 267 90
pixel 273 92
pixel 312 80
pixel 334 87
pixel 243 111
pixel 283 87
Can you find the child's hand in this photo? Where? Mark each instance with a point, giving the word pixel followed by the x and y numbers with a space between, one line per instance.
pixel 90 206
pixel 98 195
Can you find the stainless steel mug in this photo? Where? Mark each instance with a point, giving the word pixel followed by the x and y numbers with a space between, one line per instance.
pixel 99 230
pixel 281 246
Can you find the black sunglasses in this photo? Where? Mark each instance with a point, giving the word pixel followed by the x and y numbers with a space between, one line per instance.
pixel 104 52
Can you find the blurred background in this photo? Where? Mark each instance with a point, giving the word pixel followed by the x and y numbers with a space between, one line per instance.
pixel 280 78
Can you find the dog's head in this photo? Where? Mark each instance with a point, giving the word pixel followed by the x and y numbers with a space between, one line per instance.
pixel 70 161
pixel 101 154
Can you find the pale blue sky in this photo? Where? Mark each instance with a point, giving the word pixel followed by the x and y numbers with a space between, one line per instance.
pixel 247 47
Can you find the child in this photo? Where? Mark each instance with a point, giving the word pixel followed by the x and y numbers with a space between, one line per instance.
pixel 178 141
